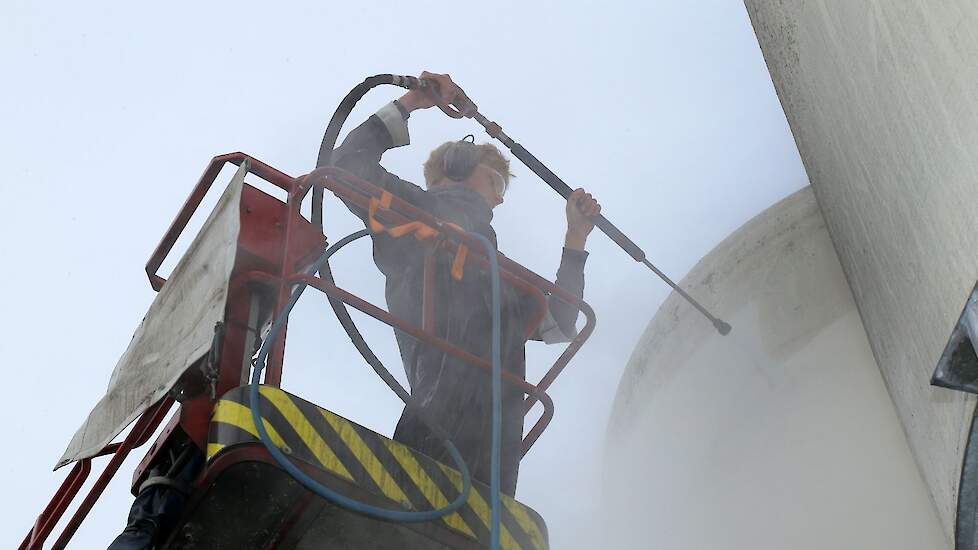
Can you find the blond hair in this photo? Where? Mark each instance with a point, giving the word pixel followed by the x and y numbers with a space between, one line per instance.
pixel 486 153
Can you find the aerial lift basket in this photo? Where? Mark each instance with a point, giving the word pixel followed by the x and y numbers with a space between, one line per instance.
pixel 195 347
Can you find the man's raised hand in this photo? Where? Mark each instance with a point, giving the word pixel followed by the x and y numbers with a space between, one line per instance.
pixel 445 89
pixel 581 209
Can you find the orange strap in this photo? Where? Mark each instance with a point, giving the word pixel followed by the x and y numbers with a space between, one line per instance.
pixel 420 230
pixel 458 264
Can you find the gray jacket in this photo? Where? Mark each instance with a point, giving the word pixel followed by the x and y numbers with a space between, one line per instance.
pixel 452 390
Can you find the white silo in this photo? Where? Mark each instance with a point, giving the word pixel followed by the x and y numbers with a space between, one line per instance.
pixel 782 434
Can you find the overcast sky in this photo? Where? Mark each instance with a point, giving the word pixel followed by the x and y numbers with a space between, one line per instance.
pixel 664 110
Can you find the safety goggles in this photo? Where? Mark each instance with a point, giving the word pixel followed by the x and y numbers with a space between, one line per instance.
pixel 499 184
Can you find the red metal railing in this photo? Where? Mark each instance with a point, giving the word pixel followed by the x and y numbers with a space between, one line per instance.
pixel 52 514
pixel 358 192
pixel 255 166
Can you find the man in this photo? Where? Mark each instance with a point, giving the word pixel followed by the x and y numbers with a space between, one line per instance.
pixel 465 182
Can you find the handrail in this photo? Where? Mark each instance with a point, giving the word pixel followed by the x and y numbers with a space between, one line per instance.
pixel 56 508
pixel 255 166
pixel 390 319
pixel 358 191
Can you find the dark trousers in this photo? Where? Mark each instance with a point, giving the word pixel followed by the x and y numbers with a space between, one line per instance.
pixel 466 415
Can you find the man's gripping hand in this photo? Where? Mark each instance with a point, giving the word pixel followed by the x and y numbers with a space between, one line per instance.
pixel 421 99
pixel 581 209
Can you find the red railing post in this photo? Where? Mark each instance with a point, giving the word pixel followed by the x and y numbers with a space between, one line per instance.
pixel 144 427
pixel 56 508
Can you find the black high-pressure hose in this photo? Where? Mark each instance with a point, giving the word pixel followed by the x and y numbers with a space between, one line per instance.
pixel 343 315
pixel 321 265
pixel 339 308
pixel 325 159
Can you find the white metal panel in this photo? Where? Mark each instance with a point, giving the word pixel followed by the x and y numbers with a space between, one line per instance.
pixel 177 330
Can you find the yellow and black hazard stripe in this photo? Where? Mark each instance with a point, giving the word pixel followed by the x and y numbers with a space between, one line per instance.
pixel 371 461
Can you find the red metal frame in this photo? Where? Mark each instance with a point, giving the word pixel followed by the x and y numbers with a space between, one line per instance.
pixel 255 166
pixel 275 244
pixel 359 192
pixel 144 428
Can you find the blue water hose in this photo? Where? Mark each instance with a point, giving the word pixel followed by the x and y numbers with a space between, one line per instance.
pixel 497 390
pixel 313 485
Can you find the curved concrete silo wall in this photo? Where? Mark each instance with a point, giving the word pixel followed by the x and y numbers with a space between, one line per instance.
pixel 880 96
pixel 780 435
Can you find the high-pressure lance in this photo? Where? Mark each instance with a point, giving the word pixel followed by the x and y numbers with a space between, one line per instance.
pixel 462 106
